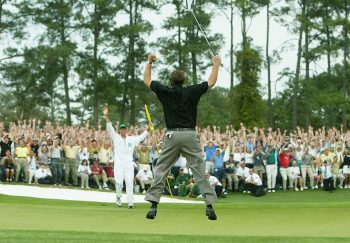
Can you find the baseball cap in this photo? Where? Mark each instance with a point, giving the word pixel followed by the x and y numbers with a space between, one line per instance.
pixel 123 126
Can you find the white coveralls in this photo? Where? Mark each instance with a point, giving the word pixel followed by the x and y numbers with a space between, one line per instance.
pixel 123 161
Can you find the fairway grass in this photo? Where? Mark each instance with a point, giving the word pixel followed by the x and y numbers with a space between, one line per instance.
pixel 309 216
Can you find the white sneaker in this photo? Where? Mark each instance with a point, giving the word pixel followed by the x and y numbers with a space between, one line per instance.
pixel 99 187
pixel 341 187
pixel 244 191
pixel 273 191
pixel 268 190
pixel 82 187
pixel 316 187
pixel 130 206
pixel 305 188
pixel 346 186
pixel 296 189
pixel 144 192
pixel 321 185
pixel 87 187
pixel 301 189
pixel 106 188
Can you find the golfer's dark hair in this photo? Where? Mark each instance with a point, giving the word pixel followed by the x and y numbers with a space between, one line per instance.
pixel 177 78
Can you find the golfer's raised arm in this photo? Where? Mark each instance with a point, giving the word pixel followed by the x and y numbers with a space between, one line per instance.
pixel 147 79
pixel 215 72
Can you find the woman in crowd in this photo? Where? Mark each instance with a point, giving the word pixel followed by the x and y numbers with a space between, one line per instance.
pixel 8 164
pixel 84 172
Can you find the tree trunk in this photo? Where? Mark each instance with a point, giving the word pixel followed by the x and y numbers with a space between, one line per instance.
pixel 132 21
pixel 307 64
pixel 244 27
pixel 268 61
pixel 297 75
pixel 178 9
pixel 96 33
pixel 328 44
pixel 231 49
pixel 345 63
pixel 65 72
pixel 194 67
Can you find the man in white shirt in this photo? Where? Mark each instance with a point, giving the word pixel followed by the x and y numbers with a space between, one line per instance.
pixel 327 176
pixel 215 184
pixel 254 184
pixel 242 173
pixel 43 174
pixel 295 176
pixel 124 147
pixel 145 177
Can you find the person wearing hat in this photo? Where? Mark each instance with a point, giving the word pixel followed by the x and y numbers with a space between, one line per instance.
pixel 327 175
pixel 21 154
pixel 271 167
pixel 242 173
pixel 254 184
pixel 145 177
pixel 295 176
pixel 124 147
pixel 180 113
pixel 285 157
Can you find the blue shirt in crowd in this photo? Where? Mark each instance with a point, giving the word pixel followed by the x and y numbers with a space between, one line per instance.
pixel 209 152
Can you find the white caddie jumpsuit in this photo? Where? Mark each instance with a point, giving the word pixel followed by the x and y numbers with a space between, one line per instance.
pixel 123 161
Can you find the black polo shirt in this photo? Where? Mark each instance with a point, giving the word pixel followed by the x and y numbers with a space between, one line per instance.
pixel 179 103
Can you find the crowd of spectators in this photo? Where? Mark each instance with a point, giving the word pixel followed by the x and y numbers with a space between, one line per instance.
pixel 243 161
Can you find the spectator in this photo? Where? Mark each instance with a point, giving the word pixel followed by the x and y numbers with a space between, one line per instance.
pixel 346 168
pixel 32 166
pixel 56 164
pixel 337 176
pixel 215 184
pixel 34 146
pixel 43 174
pixel 145 177
pixel 9 166
pixel 182 183
pixel 98 174
pixel 327 176
pixel 284 161
pixel 21 154
pixel 242 173
pixel 271 167
pixel 70 162
pixel 219 169
pixel 43 154
pixel 94 149
pixel 84 172
pixel 230 169
pixel 294 172
pixel 83 152
pixel 316 168
pixel 258 160
pixel 143 154
pixel 110 173
pixel 6 144
pixel 209 150
pixel 306 168
pixel 254 184
pixel 105 153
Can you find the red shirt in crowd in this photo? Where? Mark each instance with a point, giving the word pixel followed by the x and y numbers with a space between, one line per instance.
pixel 96 168
pixel 109 171
pixel 284 159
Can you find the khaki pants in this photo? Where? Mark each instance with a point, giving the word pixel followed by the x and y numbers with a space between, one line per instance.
pixel 84 180
pixel 232 178
pixel 174 143
pixel 22 163
pixel 70 167
pixel 306 169
pixel 209 166
pixel 144 182
pixel 98 178
pixel 340 178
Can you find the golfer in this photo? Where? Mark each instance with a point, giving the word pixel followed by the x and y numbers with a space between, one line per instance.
pixel 123 159
pixel 180 112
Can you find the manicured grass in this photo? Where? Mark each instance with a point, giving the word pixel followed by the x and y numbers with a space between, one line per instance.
pixel 310 216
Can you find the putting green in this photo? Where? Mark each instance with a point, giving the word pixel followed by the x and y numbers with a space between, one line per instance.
pixel 275 217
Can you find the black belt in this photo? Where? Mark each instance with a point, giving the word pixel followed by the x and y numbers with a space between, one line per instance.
pixel 180 129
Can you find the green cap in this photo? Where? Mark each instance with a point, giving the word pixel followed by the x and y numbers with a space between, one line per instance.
pixel 123 126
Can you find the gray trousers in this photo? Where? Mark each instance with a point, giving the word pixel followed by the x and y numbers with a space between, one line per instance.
pixel 186 143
